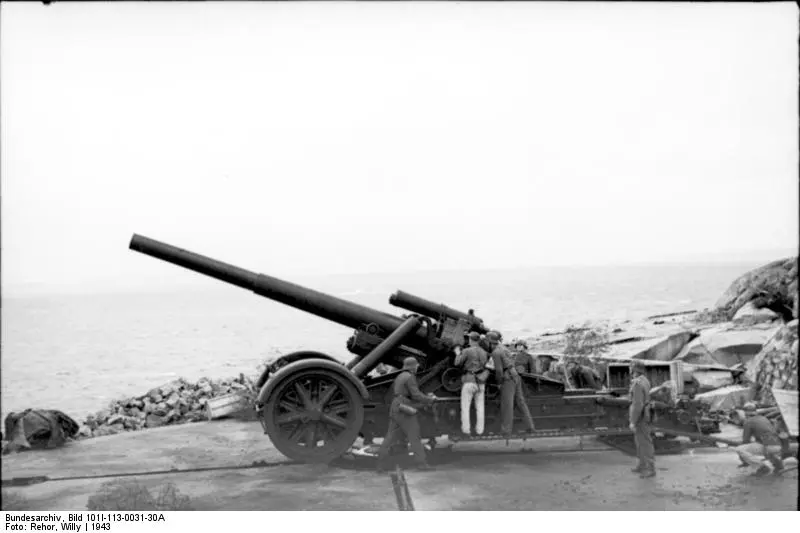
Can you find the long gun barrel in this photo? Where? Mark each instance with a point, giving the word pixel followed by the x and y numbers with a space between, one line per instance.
pixel 415 304
pixel 317 303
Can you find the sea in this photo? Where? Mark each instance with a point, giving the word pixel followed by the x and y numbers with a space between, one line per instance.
pixel 78 352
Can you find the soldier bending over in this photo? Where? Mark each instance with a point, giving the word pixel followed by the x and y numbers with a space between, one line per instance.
pixel 767 445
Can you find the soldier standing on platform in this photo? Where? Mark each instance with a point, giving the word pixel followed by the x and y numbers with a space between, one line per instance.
pixel 523 361
pixel 473 383
pixel 510 385
pixel 403 415
pixel 640 421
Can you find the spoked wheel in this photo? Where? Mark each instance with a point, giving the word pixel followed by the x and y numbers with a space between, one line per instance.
pixel 314 415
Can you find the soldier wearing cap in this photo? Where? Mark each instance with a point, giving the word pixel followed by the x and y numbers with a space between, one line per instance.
pixel 767 445
pixel 640 421
pixel 473 389
pixel 510 385
pixel 403 415
pixel 523 361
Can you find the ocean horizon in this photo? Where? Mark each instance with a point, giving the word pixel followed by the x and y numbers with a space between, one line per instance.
pixel 77 352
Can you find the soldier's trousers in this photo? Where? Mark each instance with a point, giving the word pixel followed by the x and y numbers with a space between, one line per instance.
pixel 644 447
pixel 401 424
pixel 511 394
pixel 472 392
pixel 754 454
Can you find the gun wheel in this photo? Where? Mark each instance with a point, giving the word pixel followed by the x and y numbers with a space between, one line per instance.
pixel 314 415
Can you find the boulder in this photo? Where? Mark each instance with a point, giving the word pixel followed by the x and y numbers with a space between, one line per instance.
pixel 696 353
pixel 91 422
pixel 727 398
pixel 173 386
pixel 708 380
pixel 750 314
pixel 775 366
pixel 726 345
pixel 773 285
pixel 154 421
pixel 102 415
pixel 102 431
pixel 173 400
pixel 666 348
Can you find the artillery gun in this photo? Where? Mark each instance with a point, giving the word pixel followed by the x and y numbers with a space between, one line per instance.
pixel 313 407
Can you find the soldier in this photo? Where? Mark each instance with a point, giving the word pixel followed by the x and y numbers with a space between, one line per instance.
pixel 640 421
pixel 510 385
pixel 403 415
pixel 584 377
pixel 473 388
pixel 545 363
pixel 523 361
pixel 767 445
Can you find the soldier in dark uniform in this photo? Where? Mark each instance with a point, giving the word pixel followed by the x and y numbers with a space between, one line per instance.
pixel 403 416
pixel 510 385
pixel 584 377
pixel 523 361
pixel 640 421
pixel 767 444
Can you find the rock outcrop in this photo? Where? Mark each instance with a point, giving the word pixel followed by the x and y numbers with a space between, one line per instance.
pixel 773 286
pixel 775 367
pixel 727 345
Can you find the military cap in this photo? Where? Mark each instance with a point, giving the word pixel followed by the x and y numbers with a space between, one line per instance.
pixel 494 336
pixel 749 407
pixel 474 336
pixel 638 366
pixel 410 363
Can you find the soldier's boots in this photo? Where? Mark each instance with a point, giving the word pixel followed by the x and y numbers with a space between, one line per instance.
pixel 762 470
pixel 777 464
pixel 647 474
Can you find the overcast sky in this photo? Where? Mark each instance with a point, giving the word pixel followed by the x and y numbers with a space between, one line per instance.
pixel 305 139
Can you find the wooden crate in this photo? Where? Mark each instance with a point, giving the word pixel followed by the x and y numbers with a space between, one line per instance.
pixel 787 403
pixel 227 405
pixel 618 375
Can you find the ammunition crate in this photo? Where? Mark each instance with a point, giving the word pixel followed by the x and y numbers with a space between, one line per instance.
pixel 618 375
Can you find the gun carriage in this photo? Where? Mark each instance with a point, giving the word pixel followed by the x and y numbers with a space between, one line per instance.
pixel 313 407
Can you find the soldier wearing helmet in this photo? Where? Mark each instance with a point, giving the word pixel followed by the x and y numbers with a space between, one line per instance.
pixel 511 393
pixel 403 415
pixel 766 447
pixel 640 421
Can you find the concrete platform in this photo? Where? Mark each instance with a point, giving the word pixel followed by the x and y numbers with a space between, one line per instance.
pixel 553 474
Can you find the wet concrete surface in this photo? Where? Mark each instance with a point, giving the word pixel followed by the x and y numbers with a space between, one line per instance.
pixel 554 474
